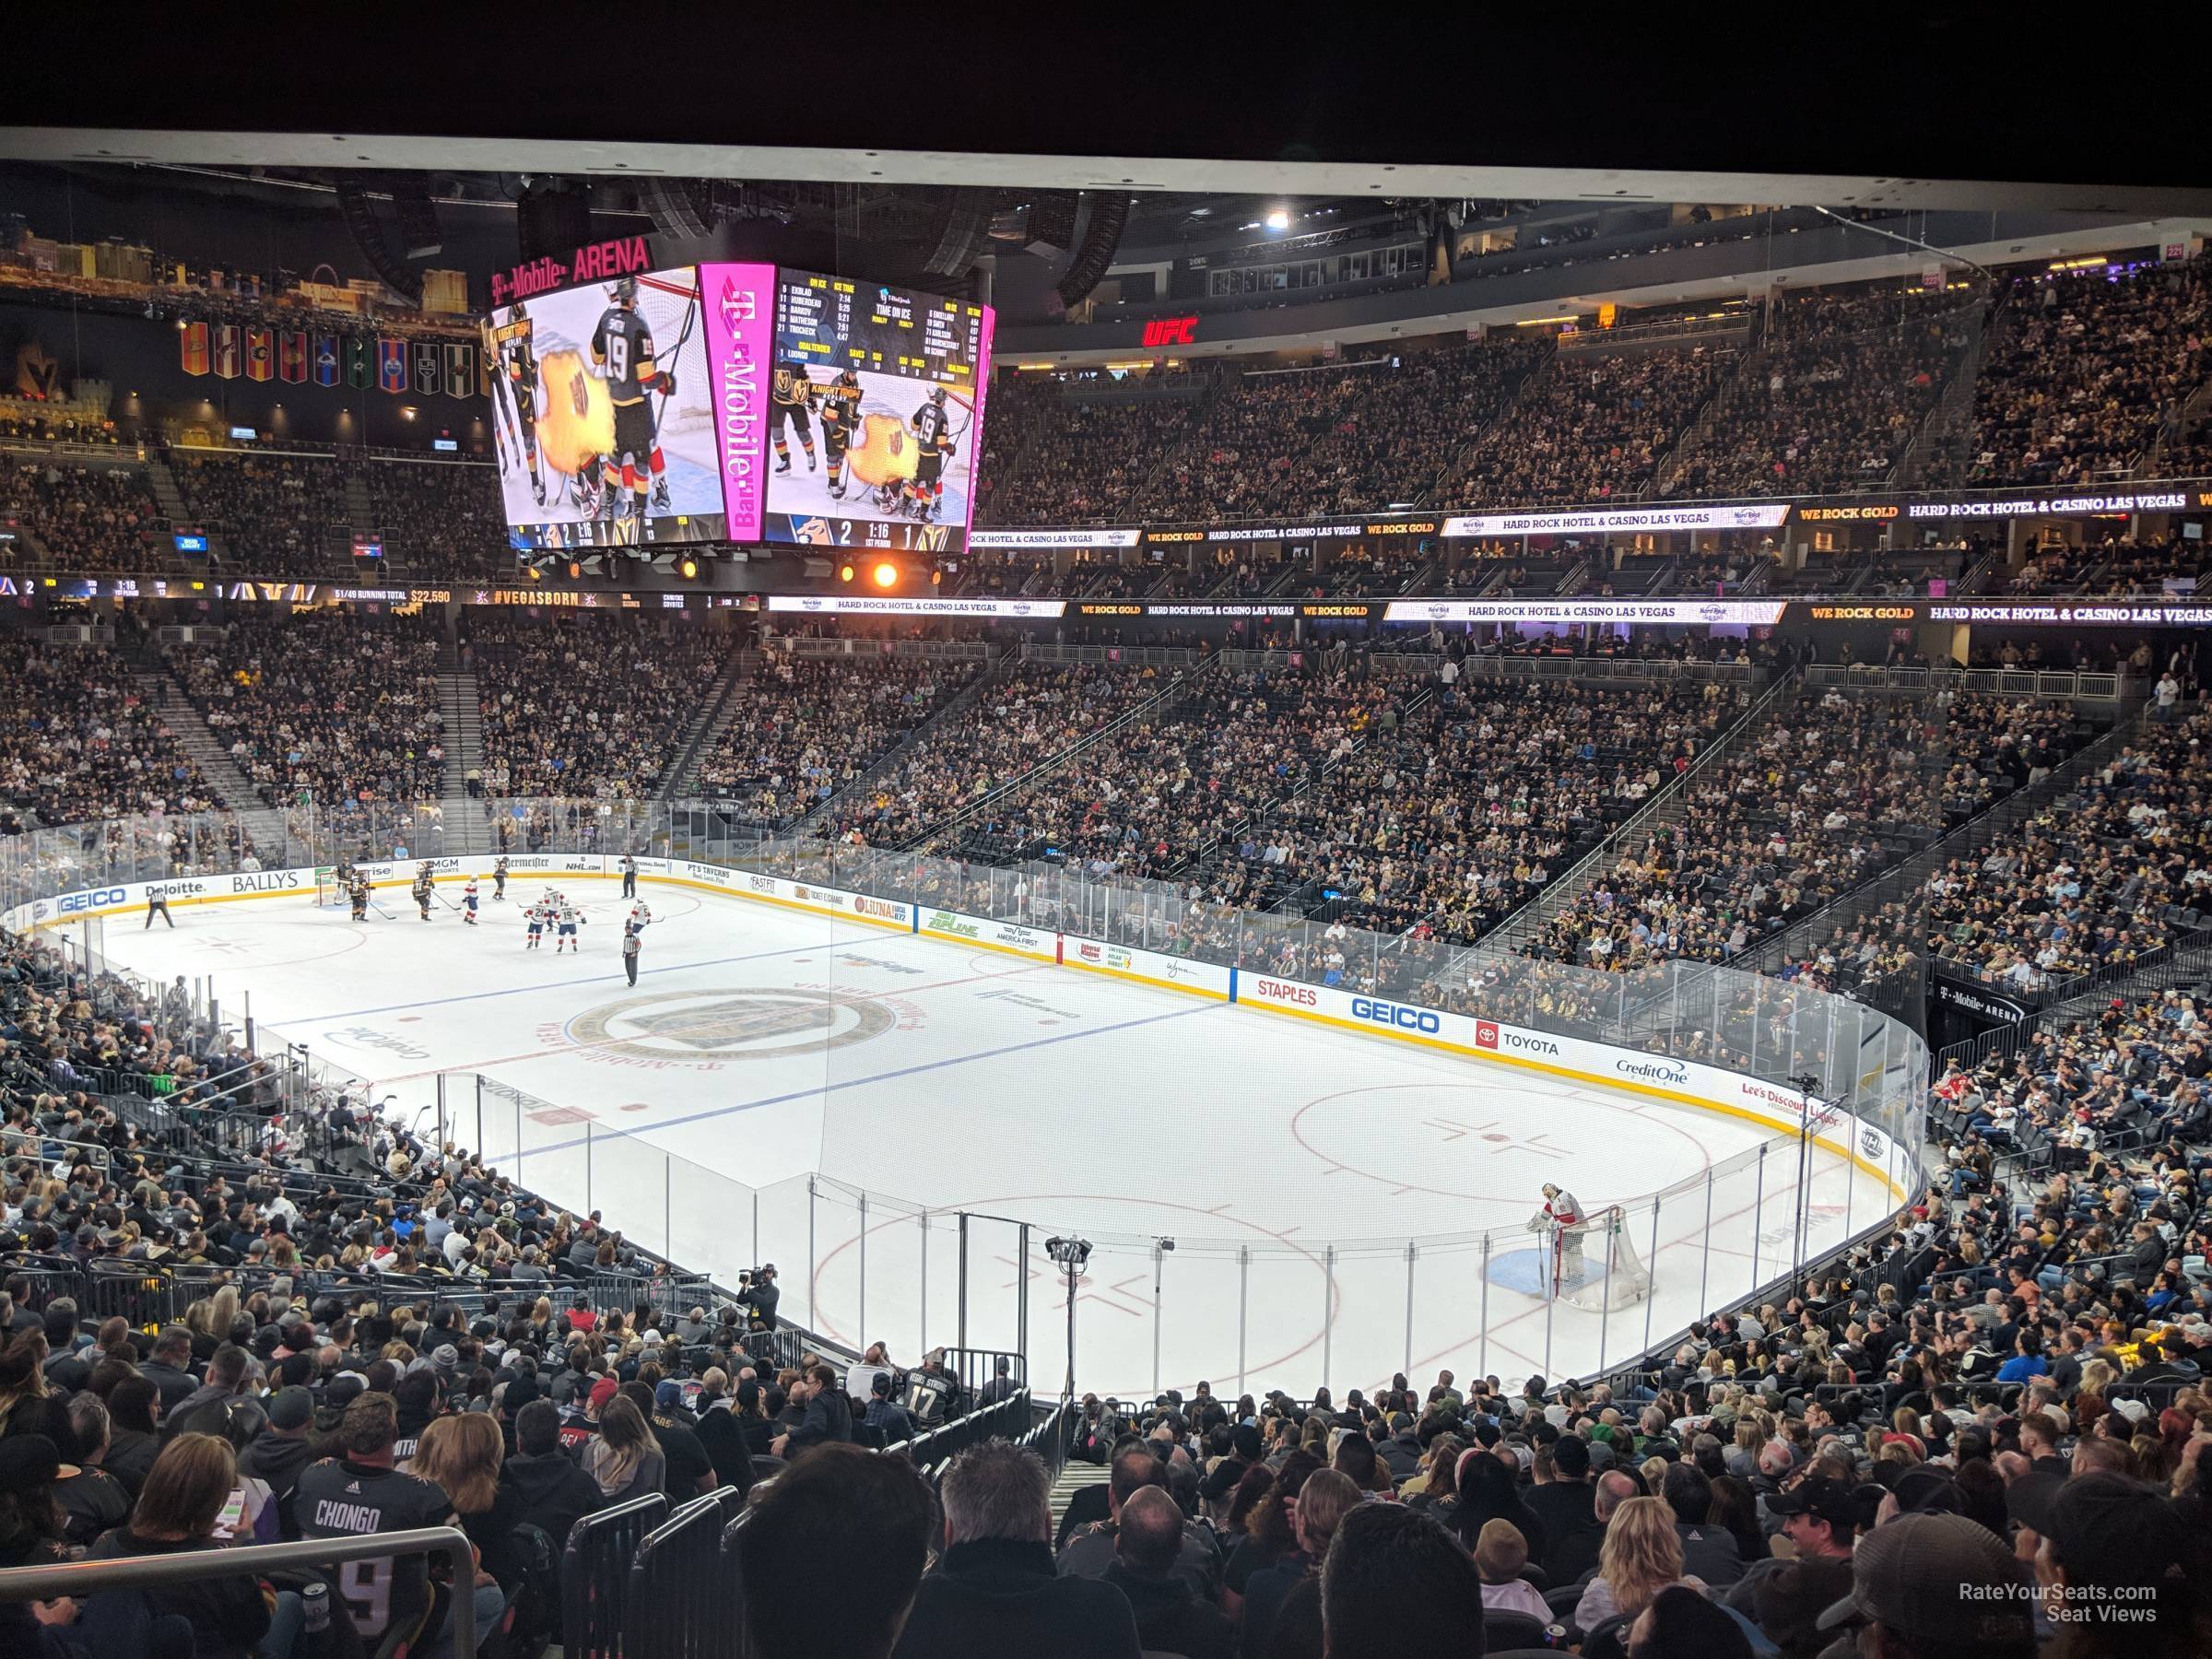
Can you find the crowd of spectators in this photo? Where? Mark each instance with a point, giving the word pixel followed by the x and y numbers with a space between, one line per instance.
pixel 1839 387
pixel 1052 455
pixel 585 703
pixel 2084 368
pixel 1147 798
pixel 275 514
pixel 1820 800
pixel 90 519
pixel 344 706
pixel 1033 714
pixel 1347 438
pixel 80 741
pixel 2090 883
pixel 809 725
pixel 440 522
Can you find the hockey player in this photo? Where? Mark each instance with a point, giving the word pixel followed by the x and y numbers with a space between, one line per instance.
pixel 566 921
pixel 629 876
pixel 536 916
pixel 933 443
pixel 422 890
pixel 841 415
pixel 791 394
pixel 1562 1216
pixel 639 919
pixel 517 381
pixel 468 902
pixel 622 348
pixel 498 881
pixel 357 896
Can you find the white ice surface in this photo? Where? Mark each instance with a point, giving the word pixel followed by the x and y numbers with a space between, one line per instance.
pixel 762 1046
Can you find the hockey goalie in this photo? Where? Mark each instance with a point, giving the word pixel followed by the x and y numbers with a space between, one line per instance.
pixel 1561 1224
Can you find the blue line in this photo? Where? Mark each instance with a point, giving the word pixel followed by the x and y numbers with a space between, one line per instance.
pixel 440 1002
pixel 807 1094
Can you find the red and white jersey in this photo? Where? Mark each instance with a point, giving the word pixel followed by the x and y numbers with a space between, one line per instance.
pixel 1563 1210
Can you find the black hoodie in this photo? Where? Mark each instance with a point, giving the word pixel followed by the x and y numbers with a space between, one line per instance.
pixel 555 1493
pixel 1003 1597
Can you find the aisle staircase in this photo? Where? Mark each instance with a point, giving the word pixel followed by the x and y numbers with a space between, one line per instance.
pixel 466 829
pixel 229 779
pixel 716 710
pixel 1073 1477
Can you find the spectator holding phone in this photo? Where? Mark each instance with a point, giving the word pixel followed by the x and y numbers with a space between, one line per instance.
pixel 191 1502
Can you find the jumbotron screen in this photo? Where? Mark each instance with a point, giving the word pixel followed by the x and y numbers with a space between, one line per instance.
pixel 875 415
pixel 603 413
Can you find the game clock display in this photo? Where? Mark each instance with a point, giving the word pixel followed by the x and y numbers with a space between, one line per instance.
pixel 875 417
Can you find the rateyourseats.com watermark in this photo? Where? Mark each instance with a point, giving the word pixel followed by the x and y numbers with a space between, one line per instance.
pixel 2076 1604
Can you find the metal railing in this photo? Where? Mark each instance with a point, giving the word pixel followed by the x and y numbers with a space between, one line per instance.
pixel 81 1580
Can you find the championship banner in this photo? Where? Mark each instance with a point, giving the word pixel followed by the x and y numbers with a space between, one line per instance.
pixel 325 353
pixel 230 350
pixel 192 345
pixel 361 367
pixel 429 363
pixel 291 356
pixel 460 370
pixel 392 365
pixel 261 354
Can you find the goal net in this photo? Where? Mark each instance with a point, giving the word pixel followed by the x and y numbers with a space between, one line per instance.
pixel 328 893
pixel 669 303
pixel 1614 1276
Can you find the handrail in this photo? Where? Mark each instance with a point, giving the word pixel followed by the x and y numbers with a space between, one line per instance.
pixel 143 1573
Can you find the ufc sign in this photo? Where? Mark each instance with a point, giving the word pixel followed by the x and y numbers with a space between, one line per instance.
pixel 1171 331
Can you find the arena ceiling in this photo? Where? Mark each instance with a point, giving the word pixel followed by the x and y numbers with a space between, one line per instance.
pixel 1946 105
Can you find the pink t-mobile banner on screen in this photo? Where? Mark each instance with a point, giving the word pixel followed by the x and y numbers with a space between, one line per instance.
pixel 740 301
pixel 982 386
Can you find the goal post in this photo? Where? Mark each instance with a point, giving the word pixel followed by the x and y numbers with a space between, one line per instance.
pixel 328 893
pixel 1614 1275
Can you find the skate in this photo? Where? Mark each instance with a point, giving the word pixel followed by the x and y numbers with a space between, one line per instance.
pixel 537 488
pixel 782 464
pixel 660 493
pixel 809 460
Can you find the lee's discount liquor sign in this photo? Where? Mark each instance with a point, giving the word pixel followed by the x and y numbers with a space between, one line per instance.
pixel 596 261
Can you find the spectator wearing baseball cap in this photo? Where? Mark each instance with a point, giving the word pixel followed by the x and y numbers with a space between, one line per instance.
pixel 2111 1544
pixel 279 1454
pixel 1819 1516
pixel 1936 1586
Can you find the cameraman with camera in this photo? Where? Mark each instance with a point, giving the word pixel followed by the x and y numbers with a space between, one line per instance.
pixel 758 1294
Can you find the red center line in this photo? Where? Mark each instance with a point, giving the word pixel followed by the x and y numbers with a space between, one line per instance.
pixel 581 1048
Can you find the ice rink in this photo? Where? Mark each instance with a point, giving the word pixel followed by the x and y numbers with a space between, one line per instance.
pixel 820 1093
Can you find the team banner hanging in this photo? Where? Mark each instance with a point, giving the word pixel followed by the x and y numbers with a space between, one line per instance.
pixel 192 345
pixel 360 364
pixel 324 356
pixel 291 356
pixel 429 363
pixel 392 365
pixel 261 354
pixel 230 350
pixel 460 370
